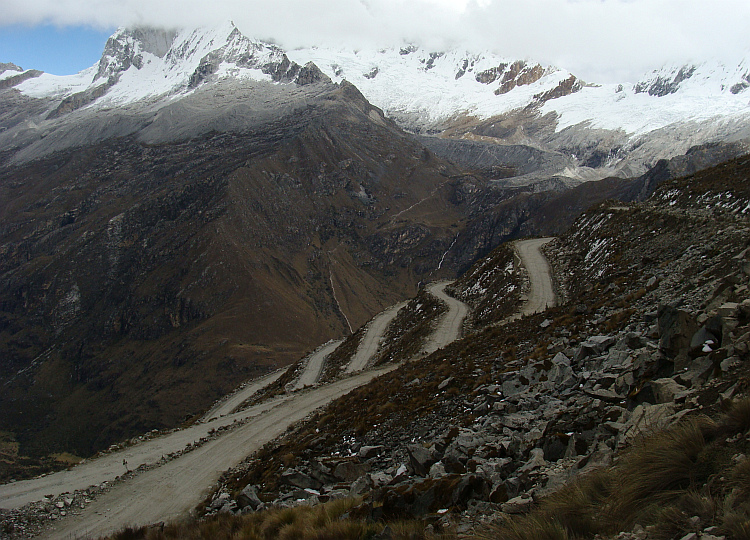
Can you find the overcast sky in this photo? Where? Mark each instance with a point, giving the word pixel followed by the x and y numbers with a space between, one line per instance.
pixel 598 40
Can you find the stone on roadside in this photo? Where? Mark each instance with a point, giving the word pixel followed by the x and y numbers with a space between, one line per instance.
pixel 349 471
pixel 666 389
pixel 443 385
pixel 536 461
pixel 368 452
pixel 249 498
pixel 594 345
pixel 729 310
pixel 420 459
pixel 437 470
pixel 645 418
pixel 293 477
pixel 518 505
pixel 676 330
pixel 361 485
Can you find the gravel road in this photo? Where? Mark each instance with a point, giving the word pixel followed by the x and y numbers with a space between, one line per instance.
pixel 371 342
pixel 542 293
pixel 108 467
pixel 232 401
pixel 172 490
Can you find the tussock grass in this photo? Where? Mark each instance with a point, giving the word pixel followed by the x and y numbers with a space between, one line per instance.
pixel 737 417
pixel 535 527
pixel 664 481
pixel 328 521
pixel 661 466
pixel 737 525
pixel 741 477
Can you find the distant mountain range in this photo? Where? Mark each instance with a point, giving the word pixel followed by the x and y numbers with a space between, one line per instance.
pixel 597 130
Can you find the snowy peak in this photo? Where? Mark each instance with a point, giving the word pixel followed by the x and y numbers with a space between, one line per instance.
pixel 9 67
pixel 424 89
pixel 665 83
pixel 155 64
pixel 242 53
pixel 12 75
pixel 126 48
pixel 716 77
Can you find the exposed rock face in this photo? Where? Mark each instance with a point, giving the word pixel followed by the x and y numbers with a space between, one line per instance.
pixel 571 85
pixel 126 47
pixel 741 86
pixel 518 73
pixel 9 66
pixel 81 99
pixel 242 52
pixel 663 85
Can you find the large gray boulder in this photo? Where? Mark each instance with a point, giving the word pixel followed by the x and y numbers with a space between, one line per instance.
pixel 676 330
pixel 595 345
pixel 349 471
pixel 420 459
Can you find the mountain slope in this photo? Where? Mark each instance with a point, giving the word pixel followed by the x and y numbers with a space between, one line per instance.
pixel 141 281
pixel 654 329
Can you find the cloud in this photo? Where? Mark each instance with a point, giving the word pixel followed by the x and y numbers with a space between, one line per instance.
pixel 599 40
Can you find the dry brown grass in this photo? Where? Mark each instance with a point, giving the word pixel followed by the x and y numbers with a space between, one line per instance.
pixel 328 521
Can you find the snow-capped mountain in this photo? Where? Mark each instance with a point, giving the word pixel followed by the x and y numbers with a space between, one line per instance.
pixel 426 90
pixel 468 95
pixel 158 84
pixel 429 90
pixel 147 63
pixel 600 129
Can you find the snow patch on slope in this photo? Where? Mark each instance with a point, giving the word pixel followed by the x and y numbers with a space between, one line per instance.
pixel 707 94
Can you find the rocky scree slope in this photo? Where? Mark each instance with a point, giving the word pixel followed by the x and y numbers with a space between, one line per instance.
pixel 655 328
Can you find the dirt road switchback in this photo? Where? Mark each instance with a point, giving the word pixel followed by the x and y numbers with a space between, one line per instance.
pixel 371 342
pixel 542 293
pixel 449 327
pixel 315 364
pixel 232 401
